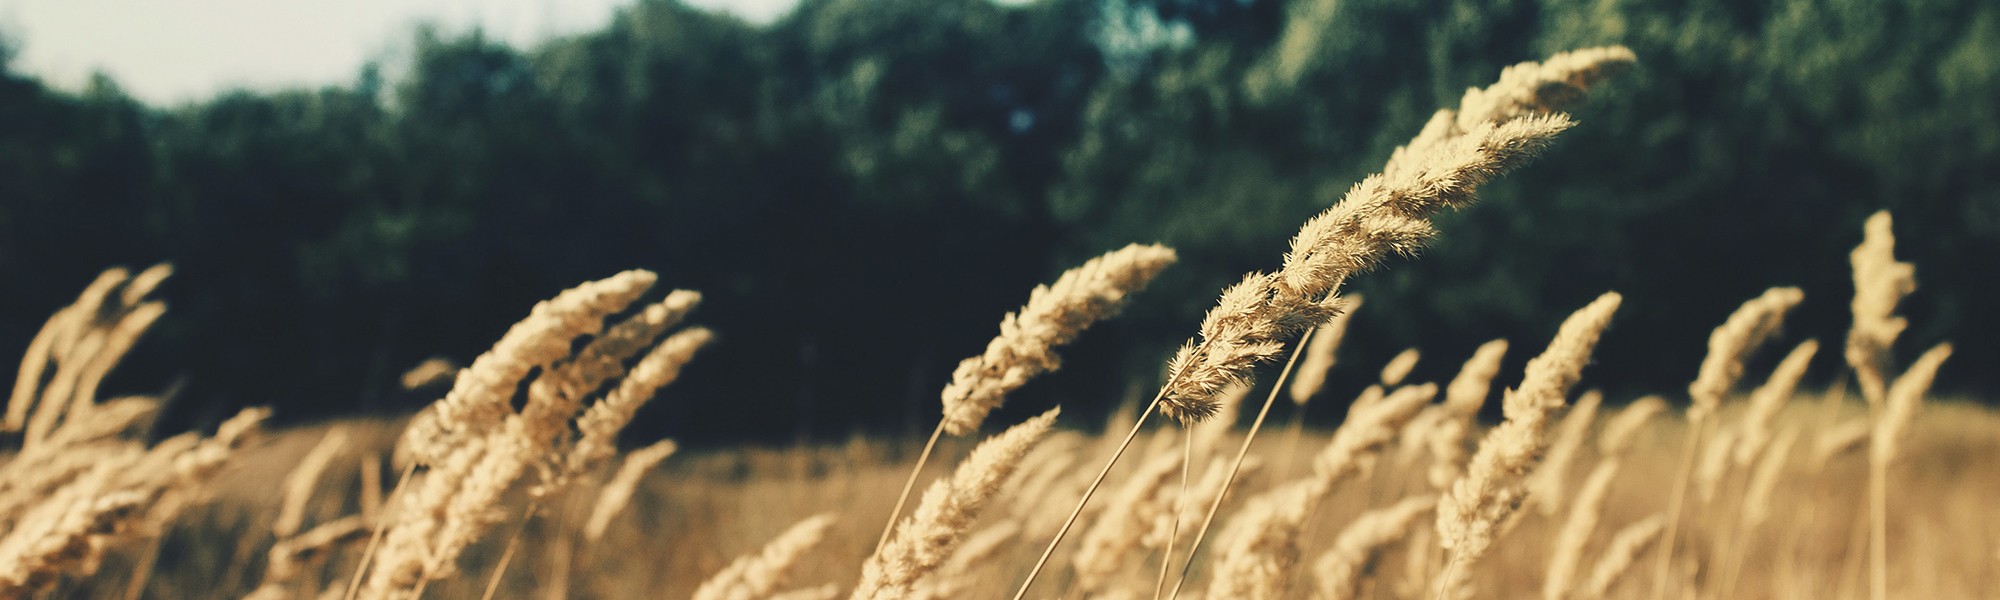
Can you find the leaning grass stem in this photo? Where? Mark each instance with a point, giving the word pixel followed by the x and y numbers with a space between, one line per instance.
pixel 513 545
pixel 1237 465
pixel 1167 553
pixel 1087 492
pixel 375 539
pixel 908 484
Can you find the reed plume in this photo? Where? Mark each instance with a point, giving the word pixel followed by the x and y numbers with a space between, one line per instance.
pixel 612 499
pixel 1462 400
pixel 1548 485
pixel 1054 315
pixel 923 541
pixel 757 576
pixel 1880 283
pixel 1624 550
pixel 1492 486
pixel 1342 571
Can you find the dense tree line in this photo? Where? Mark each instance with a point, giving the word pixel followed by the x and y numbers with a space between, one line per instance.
pixel 863 187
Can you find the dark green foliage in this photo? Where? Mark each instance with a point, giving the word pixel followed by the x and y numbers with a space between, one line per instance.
pixel 863 187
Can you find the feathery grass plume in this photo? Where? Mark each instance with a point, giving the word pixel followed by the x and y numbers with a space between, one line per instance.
pixel 51 344
pixel 300 482
pixel 1768 399
pixel 1492 486
pixel 1624 550
pixel 1880 283
pixel 1400 367
pixel 1547 486
pixel 955 577
pixel 1527 88
pixel 1262 547
pixel 1898 408
pixel 1054 315
pixel 122 337
pixel 114 417
pixel 1733 342
pixel 1621 432
pixel 68 528
pixel 1311 373
pixel 491 446
pixel 432 371
pixel 1462 400
pixel 1714 464
pixel 927 537
pixel 1614 442
pixel 558 393
pixel 1904 396
pixel 1574 537
pixel 1383 214
pixel 481 397
pixel 600 424
pixel 1366 431
pixel 1757 497
pixel 1342 570
pixel 1110 542
pixel 757 576
pixel 615 495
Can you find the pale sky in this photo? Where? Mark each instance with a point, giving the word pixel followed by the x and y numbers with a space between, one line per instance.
pixel 172 51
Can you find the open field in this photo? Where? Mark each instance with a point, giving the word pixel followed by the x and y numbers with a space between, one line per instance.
pixel 513 483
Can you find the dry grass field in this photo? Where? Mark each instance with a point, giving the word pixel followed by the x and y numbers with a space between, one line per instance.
pixel 512 484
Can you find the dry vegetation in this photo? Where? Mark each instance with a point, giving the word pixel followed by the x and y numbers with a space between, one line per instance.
pixel 511 485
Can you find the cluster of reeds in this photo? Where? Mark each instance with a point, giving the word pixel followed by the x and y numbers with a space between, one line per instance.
pixel 1410 497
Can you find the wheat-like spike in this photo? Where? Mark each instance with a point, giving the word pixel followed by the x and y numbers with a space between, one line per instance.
pixel 1261 547
pixel 555 397
pixel 757 576
pixel 53 343
pixel 1547 486
pixel 1257 559
pixel 1319 358
pixel 956 576
pixel 1400 367
pixel 1757 498
pixel 1527 88
pixel 1617 558
pixel 1209 435
pixel 1621 431
pixel 1733 342
pixel 1382 215
pixel 1880 283
pixel 1574 538
pixel 1714 464
pixel 1054 315
pixel 615 495
pixel 1112 540
pixel 1342 571
pixel 600 424
pixel 299 484
pixel 1768 399
pixel 110 419
pixel 481 398
pixel 124 335
pixel 1490 490
pixel 432 371
pixel 1903 398
pixel 929 535
pixel 1462 400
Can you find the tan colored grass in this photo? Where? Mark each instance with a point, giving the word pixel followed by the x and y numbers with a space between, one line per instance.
pixel 759 575
pixel 1319 357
